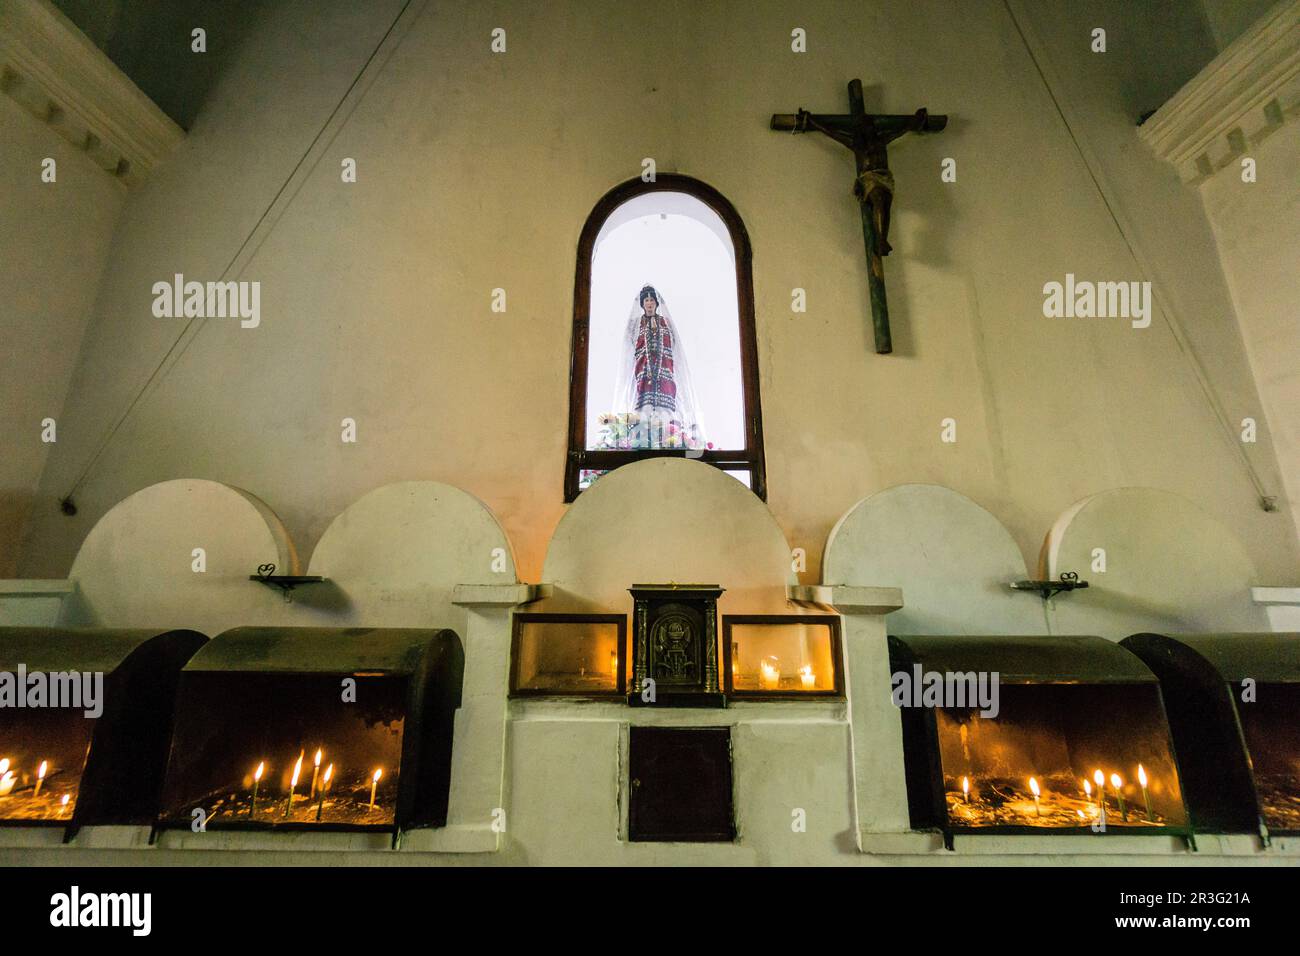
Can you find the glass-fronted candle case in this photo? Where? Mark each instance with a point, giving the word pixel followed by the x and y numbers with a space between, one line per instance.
pixel 85 715
pixel 273 749
pixel 1034 734
pixel 791 656
pixel 569 655
pixel 1234 708
pixel 1271 727
pixel 42 756
pixel 300 728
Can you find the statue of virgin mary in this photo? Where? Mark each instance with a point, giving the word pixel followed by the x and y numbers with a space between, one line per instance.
pixel 654 399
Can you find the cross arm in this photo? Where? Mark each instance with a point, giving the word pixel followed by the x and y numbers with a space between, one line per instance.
pixel 888 126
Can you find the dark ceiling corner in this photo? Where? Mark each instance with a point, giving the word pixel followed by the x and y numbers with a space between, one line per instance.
pixel 149 41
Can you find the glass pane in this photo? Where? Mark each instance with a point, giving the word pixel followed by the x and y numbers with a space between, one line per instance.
pixel 664 371
pixel 743 477
pixel 1273 739
pixel 587 477
pixel 228 725
pixel 1056 755
pixel 567 657
pixel 796 658
pixel 43 756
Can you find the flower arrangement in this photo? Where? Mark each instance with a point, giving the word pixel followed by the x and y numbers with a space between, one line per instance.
pixel 631 430
pixel 620 430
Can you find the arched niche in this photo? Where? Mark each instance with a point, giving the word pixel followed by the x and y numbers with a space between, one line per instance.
pixel 737 449
pixel 137 567
pixel 1169 567
pixel 394 556
pixel 952 559
pixel 667 520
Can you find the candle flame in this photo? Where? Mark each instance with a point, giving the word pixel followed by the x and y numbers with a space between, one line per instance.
pixel 4 766
pixel 318 756
pixel 40 774
pixel 965 785
pixel 1100 778
pixel 1033 785
pixel 1087 788
pixel 1142 775
pixel 329 772
pixel 1115 781
pixel 257 774
pixel 806 670
pixel 297 769
pixel 64 801
pixel 378 773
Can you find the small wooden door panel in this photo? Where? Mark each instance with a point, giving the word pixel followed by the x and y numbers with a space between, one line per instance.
pixel 680 784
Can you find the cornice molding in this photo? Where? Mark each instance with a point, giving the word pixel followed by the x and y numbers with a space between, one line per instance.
pixel 1242 96
pixel 50 68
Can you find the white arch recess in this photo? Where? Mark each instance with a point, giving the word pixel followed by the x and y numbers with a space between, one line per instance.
pixel 667 520
pixel 394 556
pixel 138 568
pixel 952 559
pixel 1169 567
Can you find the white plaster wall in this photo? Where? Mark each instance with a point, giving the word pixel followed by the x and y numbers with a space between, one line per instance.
pixel 667 520
pixel 54 242
pixel 394 558
pixel 1169 568
pixel 137 567
pixel 951 558
pixel 477 172
pixel 1258 229
pixel 568 787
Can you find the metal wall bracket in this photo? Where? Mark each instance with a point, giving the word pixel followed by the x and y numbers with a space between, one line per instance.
pixel 1069 582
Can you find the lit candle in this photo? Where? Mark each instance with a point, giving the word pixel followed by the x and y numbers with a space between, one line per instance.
pixel 1146 797
pixel 1087 789
pixel 257 779
pixel 320 803
pixel 297 769
pixel 770 673
pixel 7 778
pixel 807 677
pixel 735 660
pixel 1100 778
pixel 63 804
pixel 374 783
pixel 314 771
pixel 1116 782
pixel 45 765
pixel 613 664
pixel 965 789
pixel 1033 785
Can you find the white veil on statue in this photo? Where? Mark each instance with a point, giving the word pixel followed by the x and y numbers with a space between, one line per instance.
pixel 658 425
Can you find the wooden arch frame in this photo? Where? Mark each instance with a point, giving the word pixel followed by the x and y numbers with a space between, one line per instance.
pixel 750 458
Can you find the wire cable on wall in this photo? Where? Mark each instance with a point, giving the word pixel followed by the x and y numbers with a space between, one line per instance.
pixel 1175 327
pixel 197 323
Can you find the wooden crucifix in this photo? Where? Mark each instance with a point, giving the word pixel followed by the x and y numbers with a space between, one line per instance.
pixel 868 136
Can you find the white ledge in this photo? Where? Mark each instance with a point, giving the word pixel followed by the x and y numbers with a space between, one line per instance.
pixel 848 599
pixel 1275 595
pixel 52 69
pixel 1245 93
pixel 495 595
